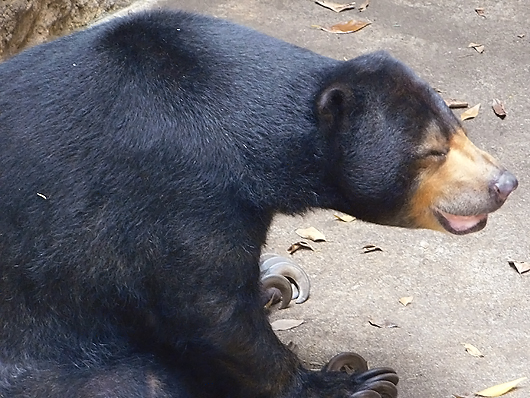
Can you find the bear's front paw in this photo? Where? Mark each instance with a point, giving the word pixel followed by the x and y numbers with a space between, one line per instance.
pixel 347 376
pixel 375 383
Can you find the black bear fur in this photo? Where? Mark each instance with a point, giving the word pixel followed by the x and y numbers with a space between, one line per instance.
pixel 141 164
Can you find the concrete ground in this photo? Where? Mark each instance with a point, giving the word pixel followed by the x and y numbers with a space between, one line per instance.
pixel 463 289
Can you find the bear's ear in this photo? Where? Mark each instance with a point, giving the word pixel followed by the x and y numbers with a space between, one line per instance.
pixel 333 106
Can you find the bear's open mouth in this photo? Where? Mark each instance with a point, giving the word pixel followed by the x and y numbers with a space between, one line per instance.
pixel 461 225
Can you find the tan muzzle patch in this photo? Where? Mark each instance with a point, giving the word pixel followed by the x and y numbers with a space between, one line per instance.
pixel 456 192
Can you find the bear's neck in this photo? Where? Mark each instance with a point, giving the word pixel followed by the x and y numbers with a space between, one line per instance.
pixel 288 173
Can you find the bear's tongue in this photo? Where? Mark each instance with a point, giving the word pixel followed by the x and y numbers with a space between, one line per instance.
pixel 463 223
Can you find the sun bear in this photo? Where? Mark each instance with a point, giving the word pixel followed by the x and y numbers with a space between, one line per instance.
pixel 141 164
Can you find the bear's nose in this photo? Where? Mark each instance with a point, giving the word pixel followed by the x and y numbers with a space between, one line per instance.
pixel 505 185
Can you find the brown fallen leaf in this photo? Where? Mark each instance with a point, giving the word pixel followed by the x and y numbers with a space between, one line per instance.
pixel 455 104
pixel 406 300
pixel 335 6
pixel 371 248
pixel 520 266
pixel 477 47
pixel 299 245
pixel 480 12
pixel 471 113
pixel 311 233
pixel 500 389
pixel 344 217
pixel 472 350
pixel 383 324
pixel 498 108
pixel 345 27
pixel 364 6
pixel 286 324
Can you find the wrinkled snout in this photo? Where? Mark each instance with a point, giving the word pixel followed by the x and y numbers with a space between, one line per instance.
pixel 505 184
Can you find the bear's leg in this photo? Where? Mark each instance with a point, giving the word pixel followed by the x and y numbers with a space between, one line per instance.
pixel 129 379
pixel 237 354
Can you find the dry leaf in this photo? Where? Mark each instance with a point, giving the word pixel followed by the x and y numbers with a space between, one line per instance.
pixel 406 300
pixel 520 266
pixel 311 233
pixel 286 324
pixel 335 6
pixel 472 350
pixel 299 245
pixel 454 104
pixel 500 389
pixel 364 6
pixel 477 47
pixel 480 12
pixel 345 27
pixel 371 248
pixel 498 108
pixel 344 217
pixel 471 113
pixel 383 324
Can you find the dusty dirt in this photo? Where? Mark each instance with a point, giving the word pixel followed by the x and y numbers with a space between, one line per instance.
pixel 26 23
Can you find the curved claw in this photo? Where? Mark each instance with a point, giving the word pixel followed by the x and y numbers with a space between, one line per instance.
pixel 365 394
pixel 391 377
pixel 267 256
pixel 386 389
pixel 293 272
pixel 267 260
pixel 296 293
pixel 272 283
pixel 346 361
pixel 378 374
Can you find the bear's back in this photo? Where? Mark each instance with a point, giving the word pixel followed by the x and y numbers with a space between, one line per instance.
pixel 202 86
pixel 180 61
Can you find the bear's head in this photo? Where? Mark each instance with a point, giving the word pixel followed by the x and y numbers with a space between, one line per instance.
pixel 400 156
